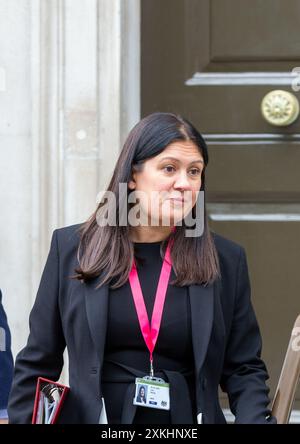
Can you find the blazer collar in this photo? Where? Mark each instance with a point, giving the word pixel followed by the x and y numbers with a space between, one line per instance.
pixel 201 303
pixel 202 313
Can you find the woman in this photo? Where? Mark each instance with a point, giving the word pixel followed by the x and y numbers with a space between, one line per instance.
pixel 131 267
pixel 141 397
pixel 6 363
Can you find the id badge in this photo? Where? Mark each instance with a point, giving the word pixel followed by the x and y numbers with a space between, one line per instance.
pixel 152 392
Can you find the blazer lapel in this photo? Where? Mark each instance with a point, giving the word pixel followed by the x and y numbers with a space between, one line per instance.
pixel 202 307
pixel 96 302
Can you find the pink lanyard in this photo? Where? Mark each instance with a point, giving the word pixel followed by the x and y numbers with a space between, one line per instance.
pixel 150 334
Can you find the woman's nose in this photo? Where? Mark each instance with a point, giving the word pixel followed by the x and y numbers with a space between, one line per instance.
pixel 182 181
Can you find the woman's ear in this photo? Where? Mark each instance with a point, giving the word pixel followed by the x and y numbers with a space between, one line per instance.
pixel 131 185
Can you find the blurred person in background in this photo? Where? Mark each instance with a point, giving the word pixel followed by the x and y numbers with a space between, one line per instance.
pixel 6 364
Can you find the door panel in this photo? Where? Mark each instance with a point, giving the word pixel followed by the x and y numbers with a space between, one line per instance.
pixel 253 170
pixel 273 261
pixel 213 62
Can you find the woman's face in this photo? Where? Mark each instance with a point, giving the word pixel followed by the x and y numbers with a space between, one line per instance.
pixel 142 392
pixel 174 173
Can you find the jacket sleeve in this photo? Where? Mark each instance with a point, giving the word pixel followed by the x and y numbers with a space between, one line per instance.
pixel 6 360
pixel 43 354
pixel 244 373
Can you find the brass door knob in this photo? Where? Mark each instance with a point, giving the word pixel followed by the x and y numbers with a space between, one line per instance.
pixel 280 108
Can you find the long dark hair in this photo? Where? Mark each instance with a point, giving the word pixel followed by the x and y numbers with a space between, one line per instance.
pixel 108 249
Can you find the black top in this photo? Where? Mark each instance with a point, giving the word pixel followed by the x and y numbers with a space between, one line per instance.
pixel 125 345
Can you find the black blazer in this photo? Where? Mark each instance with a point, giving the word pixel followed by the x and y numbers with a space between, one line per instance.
pixel 226 340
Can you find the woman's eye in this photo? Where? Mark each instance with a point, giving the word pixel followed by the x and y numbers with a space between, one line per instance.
pixel 195 172
pixel 169 168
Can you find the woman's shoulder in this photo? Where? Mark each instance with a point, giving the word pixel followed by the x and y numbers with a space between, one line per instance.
pixel 68 237
pixel 69 231
pixel 231 255
pixel 227 248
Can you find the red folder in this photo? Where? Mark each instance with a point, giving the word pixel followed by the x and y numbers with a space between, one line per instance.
pixel 49 399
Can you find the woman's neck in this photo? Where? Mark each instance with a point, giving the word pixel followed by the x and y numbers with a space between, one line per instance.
pixel 149 234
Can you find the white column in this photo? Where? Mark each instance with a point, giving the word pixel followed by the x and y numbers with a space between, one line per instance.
pixel 119 77
pixel 69 94
pixel 16 165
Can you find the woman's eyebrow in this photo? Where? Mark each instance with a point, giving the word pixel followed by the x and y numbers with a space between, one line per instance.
pixel 176 160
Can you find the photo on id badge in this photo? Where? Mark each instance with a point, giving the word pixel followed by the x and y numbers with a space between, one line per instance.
pixel 152 394
pixel 141 396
